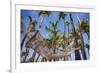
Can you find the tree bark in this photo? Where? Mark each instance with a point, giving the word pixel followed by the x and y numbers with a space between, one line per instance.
pixel 77 54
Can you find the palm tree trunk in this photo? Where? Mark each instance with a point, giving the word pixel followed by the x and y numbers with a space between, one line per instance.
pixel 54 47
pixel 77 54
pixel 81 36
pixel 68 39
pixel 65 58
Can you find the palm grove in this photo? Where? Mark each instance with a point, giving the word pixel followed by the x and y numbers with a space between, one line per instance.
pixel 62 43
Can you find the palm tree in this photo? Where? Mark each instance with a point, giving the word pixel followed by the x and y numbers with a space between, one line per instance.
pixel 63 15
pixel 81 23
pixel 67 42
pixel 77 54
pixel 82 40
pixel 31 28
pixel 86 29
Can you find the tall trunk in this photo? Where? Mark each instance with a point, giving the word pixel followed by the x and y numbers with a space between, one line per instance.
pixel 77 54
pixel 68 41
pixel 65 58
pixel 81 37
pixel 54 47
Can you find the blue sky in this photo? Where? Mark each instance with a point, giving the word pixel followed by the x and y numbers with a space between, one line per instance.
pixel 53 17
